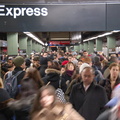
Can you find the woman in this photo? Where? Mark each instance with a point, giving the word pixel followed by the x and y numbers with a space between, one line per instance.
pixel 112 80
pixel 70 71
pixel 46 107
pixel 30 84
pixel 53 76
pixel 34 74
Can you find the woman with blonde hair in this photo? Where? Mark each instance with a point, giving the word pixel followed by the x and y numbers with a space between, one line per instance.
pixel 46 107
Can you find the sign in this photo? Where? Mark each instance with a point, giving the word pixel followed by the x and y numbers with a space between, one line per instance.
pixel 13 11
pixel 52 17
pixel 57 43
pixel 59 17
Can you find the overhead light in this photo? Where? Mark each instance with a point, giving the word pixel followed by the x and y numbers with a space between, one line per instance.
pixel 102 35
pixel 46 44
pixel 33 37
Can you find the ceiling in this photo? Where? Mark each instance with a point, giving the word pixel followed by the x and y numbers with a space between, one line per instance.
pixel 45 37
pixel 53 36
pixel 59 36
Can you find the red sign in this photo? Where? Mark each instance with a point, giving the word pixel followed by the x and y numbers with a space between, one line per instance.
pixel 59 42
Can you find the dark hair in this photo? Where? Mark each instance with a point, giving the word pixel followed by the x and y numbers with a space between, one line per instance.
pixel 35 75
pixel 36 58
pixel 28 87
pixel 55 65
pixel 36 105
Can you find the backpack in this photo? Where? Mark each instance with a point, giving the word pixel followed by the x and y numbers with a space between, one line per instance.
pixel 10 84
pixel 59 93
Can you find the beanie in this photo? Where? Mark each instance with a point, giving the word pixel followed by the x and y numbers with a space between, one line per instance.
pixel 18 61
pixel 96 59
pixel 83 66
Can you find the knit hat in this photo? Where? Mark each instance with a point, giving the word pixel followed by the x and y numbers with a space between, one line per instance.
pixel 83 66
pixel 18 61
pixel 96 59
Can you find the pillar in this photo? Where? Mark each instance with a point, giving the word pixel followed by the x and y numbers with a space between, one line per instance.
pixel 23 44
pixel 12 43
pixel 91 46
pixel 33 46
pixel 81 47
pixel 111 42
pixel 99 44
pixel 29 47
pixel 86 46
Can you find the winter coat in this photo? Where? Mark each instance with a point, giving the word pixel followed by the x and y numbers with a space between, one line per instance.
pixel 90 103
pixel 107 85
pixel 5 112
pixel 58 112
pixel 66 77
pixel 22 107
pixel 53 76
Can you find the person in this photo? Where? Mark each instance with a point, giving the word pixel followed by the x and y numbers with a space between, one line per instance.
pixel 5 112
pixel 46 107
pixel 22 105
pixel 114 112
pixel 87 97
pixel 33 73
pixel 112 80
pixel 18 71
pixel 70 71
pixel 53 76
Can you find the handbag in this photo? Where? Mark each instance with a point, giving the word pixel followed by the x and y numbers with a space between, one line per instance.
pixel 59 92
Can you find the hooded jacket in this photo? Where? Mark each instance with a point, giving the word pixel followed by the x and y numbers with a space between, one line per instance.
pixel 53 76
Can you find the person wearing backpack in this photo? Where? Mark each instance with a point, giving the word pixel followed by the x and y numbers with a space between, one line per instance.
pixel 13 79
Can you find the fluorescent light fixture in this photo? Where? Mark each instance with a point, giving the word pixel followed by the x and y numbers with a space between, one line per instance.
pixel 46 44
pixel 33 37
pixel 102 35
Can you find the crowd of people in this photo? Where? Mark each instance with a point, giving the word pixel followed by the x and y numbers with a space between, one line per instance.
pixel 28 86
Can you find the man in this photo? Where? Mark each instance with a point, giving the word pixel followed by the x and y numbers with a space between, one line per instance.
pixel 87 97
pixel 18 74
pixel 10 64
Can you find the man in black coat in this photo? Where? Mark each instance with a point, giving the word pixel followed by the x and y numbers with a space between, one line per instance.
pixel 87 97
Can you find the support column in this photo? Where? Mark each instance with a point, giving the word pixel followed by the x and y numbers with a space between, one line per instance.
pixel 40 48
pixel 33 46
pixel 12 43
pixel 29 47
pixel 86 46
pixel 23 43
pixel 81 46
pixel 99 44
pixel 111 42
pixel 91 46
pixel 76 48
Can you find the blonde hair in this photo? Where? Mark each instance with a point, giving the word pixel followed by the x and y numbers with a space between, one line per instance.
pixel 1 83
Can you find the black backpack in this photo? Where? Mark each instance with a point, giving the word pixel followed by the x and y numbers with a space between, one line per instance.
pixel 10 84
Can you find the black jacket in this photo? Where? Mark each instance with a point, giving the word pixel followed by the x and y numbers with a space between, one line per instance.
pixel 5 112
pixel 22 107
pixel 107 85
pixel 90 103
pixel 53 76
